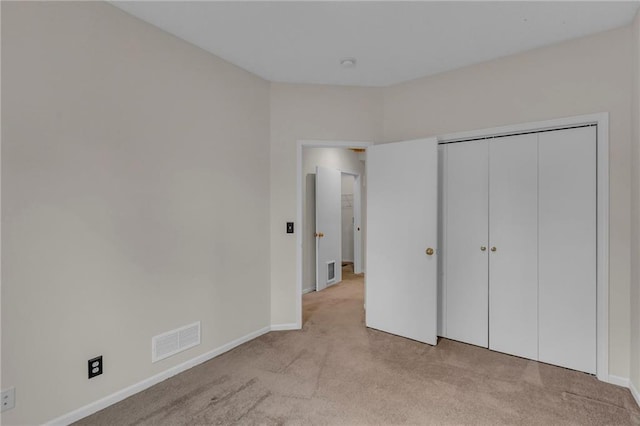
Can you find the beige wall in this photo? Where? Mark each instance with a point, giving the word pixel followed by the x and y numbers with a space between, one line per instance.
pixel 335 158
pixel 587 75
pixel 135 199
pixel 635 209
pixel 307 112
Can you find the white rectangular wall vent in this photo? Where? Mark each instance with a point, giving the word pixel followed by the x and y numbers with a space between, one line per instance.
pixel 170 343
pixel 331 271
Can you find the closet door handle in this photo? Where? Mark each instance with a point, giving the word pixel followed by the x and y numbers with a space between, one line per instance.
pixel 493 249
pixel 483 248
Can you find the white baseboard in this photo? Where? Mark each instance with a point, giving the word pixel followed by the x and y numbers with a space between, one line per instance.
pixel 281 327
pixel 308 290
pixel 616 380
pixel 634 392
pixel 118 396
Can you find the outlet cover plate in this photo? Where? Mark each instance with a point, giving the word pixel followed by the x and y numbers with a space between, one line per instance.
pixel 95 366
pixel 8 399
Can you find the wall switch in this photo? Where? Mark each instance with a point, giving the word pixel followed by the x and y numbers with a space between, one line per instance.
pixel 8 398
pixel 95 366
pixel 289 227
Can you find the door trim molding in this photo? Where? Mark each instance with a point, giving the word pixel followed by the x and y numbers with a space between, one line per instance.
pixel 601 120
pixel 301 144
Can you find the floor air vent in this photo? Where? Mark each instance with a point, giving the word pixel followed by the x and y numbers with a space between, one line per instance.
pixel 170 343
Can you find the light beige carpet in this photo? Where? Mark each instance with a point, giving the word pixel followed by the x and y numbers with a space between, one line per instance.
pixel 336 371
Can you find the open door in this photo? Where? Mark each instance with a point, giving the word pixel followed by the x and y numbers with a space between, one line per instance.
pixel 328 227
pixel 401 279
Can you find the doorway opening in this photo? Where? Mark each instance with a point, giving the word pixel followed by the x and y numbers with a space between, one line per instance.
pixel 346 231
pixel 348 221
pixel 332 219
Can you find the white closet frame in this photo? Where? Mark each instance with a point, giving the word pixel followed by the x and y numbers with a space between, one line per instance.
pixel 601 120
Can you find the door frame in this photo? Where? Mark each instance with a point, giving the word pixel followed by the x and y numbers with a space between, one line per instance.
pixel 313 143
pixel 601 120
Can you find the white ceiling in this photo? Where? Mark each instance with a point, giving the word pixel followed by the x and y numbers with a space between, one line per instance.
pixel 392 41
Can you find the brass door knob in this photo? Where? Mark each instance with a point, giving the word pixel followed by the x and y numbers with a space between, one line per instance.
pixel 429 251
pixel 321 235
pixel 493 249
pixel 483 248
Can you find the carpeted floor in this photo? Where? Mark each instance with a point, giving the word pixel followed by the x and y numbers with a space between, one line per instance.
pixel 336 371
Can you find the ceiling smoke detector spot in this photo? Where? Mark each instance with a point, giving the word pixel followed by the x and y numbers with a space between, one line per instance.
pixel 348 62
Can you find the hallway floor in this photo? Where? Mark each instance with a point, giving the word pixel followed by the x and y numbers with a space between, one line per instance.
pixel 336 371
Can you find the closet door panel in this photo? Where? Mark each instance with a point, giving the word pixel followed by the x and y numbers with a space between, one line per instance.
pixel 513 224
pixel 466 268
pixel 567 248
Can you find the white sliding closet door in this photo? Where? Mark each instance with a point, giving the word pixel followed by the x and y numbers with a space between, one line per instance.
pixel 466 263
pixel 567 248
pixel 513 277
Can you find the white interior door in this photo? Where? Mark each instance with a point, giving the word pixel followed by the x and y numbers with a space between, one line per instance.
pixel 567 248
pixel 402 191
pixel 466 262
pixel 513 255
pixel 328 227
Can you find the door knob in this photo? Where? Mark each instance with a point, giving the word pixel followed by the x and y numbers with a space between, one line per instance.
pixel 493 249
pixel 429 251
pixel 483 248
pixel 322 235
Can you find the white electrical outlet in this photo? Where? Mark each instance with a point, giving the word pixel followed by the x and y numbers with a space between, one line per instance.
pixel 8 399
